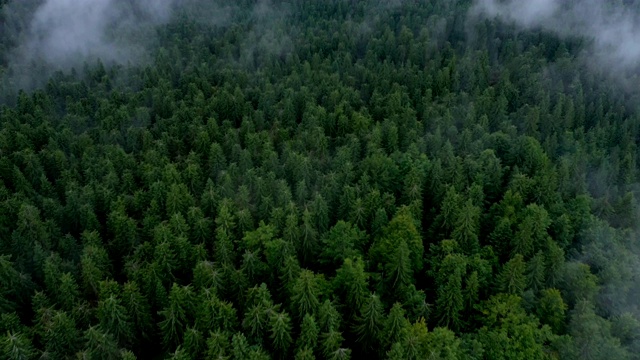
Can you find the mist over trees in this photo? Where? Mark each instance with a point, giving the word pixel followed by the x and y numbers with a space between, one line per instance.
pixel 610 28
pixel 314 180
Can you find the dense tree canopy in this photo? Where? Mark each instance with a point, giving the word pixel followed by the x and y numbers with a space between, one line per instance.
pixel 384 179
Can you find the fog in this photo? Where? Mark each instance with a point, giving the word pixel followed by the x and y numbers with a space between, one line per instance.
pixel 612 28
pixel 60 35
pixel 64 33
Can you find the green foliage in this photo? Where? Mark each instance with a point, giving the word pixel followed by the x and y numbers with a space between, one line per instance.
pixel 450 299
pixel 100 344
pixel 396 325
pixel 94 262
pixel 579 282
pixel 61 337
pixel 305 299
pixel 342 241
pixel 16 346
pixel 280 331
pixel 114 319
pixel 309 331
pixel 331 342
pixel 511 279
pixel 304 354
pixel 370 322
pixel 466 227
pixel 10 285
pixel 351 283
pixel 551 310
pixel 509 333
pixel 419 343
pixel 138 311
pixel 193 344
pixel 400 229
pixel 176 315
pixel 591 336
pixel 243 192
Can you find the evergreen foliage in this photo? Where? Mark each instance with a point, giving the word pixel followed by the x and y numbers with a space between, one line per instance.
pixel 345 180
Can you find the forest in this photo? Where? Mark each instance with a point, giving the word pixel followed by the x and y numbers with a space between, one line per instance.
pixel 328 179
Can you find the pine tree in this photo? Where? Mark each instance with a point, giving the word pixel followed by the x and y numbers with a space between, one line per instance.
pixel 466 227
pixel 10 284
pixel 239 347
pixel 217 345
pixel 127 355
pixel 16 346
pixel 61 335
pixel 343 240
pixel 509 333
pixel 253 266
pixel 450 299
pixel 341 354
pixel 255 321
pixel 451 205
pixel 536 272
pixel 532 231
pixel 289 273
pixel 471 291
pixel 554 261
pixel 101 344
pixel 320 213
pixel 207 276
pixel 308 237
pixel 396 352
pixel 176 315
pixel 138 310
pixel 309 332
pixel 114 319
pixel 331 342
pixel 280 332
pixel 370 323
pixel 395 325
pixel 352 283
pixel 179 354
pixel 401 228
pixel 304 354
pixel 94 262
pixel 398 272
pixel 551 310
pixel 511 279
pixel 193 343
pixel 305 294
pixel 328 317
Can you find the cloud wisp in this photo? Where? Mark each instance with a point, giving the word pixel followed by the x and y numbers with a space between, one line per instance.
pixel 612 28
pixel 62 32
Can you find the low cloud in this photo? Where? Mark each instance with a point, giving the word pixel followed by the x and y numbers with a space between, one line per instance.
pixel 63 33
pixel 611 28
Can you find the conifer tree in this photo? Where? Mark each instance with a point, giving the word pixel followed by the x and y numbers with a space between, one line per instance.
pixel 280 332
pixel 101 344
pixel 395 325
pixel 309 332
pixel 175 317
pixel 305 298
pixel 370 323
pixel 551 310
pixel 512 278
pixel 17 346
pixel 352 282
pixel 114 319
